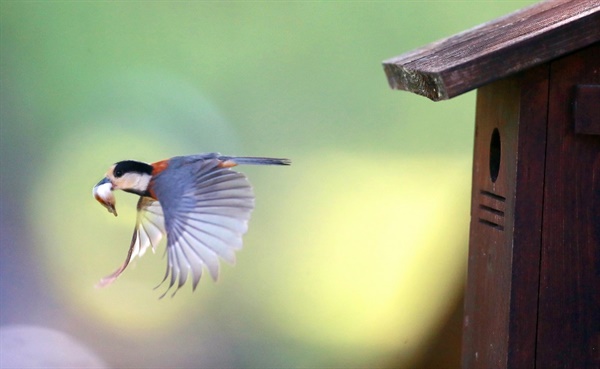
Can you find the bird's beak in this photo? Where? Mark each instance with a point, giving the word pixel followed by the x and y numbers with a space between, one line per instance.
pixel 103 192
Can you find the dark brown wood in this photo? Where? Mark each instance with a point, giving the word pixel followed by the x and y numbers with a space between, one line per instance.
pixel 527 236
pixel 487 296
pixel 497 49
pixel 506 217
pixel 532 298
pixel 587 109
pixel 569 299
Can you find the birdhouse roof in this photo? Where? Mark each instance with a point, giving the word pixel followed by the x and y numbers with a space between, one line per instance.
pixel 497 49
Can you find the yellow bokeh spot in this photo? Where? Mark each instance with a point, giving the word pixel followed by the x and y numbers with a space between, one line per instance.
pixel 379 254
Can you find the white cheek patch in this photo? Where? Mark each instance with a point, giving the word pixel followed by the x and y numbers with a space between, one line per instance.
pixel 134 181
pixel 143 182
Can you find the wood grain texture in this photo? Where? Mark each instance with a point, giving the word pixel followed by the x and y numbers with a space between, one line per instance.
pixel 569 298
pixel 527 229
pixel 494 50
pixel 487 295
pixel 587 109
pixel 506 215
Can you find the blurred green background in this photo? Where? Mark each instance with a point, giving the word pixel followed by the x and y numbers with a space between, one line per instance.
pixel 356 254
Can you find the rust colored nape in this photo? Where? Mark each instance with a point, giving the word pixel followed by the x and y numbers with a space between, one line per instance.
pixel 494 50
pixel 159 166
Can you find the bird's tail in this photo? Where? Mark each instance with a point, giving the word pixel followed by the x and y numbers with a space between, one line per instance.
pixel 248 160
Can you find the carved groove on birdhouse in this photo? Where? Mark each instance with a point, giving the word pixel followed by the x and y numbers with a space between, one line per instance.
pixel 491 209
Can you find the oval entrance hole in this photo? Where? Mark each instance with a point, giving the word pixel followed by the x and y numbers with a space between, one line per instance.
pixel 495 154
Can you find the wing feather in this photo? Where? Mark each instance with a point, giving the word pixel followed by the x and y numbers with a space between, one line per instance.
pixel 201 246
pixel 149 230
pixel 204 211
pixel 207 215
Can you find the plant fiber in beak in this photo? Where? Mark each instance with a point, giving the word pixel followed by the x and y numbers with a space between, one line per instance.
pixel 103 193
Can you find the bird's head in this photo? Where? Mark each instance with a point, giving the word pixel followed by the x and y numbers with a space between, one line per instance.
pixel 128 175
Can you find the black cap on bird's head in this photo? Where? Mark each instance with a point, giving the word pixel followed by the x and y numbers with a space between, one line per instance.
pixel 130 166
pixel 131 176
pixel 128 175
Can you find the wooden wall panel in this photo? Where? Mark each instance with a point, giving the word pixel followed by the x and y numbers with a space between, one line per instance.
pixel 506 217
pixel 569 307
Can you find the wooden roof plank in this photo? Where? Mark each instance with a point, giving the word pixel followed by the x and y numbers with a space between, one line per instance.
pixel 507 45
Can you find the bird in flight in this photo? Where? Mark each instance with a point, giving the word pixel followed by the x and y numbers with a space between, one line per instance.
pixel 198 201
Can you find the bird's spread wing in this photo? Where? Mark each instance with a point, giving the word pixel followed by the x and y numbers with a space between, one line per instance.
pixel 205 218
pixel 149 230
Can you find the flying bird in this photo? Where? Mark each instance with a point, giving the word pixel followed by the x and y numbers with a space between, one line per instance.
pixel 198 201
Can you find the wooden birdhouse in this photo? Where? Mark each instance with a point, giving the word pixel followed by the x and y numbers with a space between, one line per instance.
pixel 533 286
